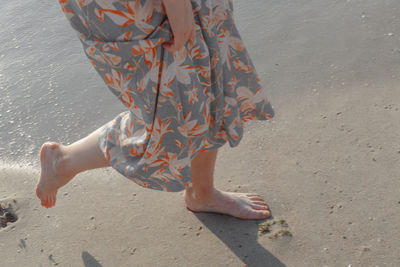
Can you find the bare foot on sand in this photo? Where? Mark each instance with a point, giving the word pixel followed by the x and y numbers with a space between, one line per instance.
pixel 240 205
pixel 53 173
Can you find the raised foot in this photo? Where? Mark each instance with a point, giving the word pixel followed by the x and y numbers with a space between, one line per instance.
pixel 245 206
pixel 52 174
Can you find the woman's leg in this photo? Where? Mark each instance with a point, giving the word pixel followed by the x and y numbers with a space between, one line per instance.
pixel 203 197
pixel 59 164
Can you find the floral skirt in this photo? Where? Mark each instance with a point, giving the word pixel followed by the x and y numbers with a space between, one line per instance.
pixel 177 103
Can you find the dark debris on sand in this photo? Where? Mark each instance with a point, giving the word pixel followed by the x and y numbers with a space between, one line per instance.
pixel 7 215
pixel 266 228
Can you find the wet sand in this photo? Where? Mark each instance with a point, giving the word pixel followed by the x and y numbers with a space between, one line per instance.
pixel 327 164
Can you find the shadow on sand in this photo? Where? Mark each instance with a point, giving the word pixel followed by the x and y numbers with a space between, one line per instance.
pixel 241 237
pixel 89 260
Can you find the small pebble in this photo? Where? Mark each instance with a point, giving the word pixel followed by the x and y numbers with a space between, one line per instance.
pixel 366 249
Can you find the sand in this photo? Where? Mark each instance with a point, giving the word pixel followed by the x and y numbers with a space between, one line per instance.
pixel 328 165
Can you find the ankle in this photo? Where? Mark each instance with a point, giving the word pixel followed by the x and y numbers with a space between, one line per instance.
pixel 199 194
pixel 62 164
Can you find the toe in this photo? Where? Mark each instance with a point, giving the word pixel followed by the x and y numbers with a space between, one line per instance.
pixel 51 145
pixel 43 202
pixel 46 201
pixel 256 215
pixel 256 198
pixel 260 203
pixel 51 201
pixel 259 207
pixel 262 214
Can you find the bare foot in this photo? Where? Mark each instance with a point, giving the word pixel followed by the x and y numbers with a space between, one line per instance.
pixel 53 174
pixel 240 205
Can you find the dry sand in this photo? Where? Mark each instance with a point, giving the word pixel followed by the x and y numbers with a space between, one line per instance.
pixel 328 164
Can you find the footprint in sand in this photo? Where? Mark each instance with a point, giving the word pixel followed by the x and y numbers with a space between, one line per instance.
pixel 7 214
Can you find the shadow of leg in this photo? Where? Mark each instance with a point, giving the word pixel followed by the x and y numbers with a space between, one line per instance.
pixel 241 238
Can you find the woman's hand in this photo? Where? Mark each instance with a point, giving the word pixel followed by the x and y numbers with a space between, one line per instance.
pixel 180 16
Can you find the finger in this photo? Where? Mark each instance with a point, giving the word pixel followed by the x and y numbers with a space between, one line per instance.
pixel 179 40
pixel 170 47
pixel 174 46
